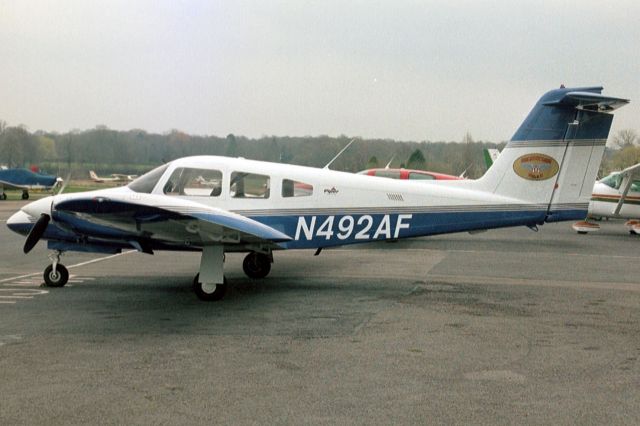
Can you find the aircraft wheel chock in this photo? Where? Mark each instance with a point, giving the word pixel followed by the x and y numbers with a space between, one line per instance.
pixel 256 265
pixel 209 292
pixel 57 279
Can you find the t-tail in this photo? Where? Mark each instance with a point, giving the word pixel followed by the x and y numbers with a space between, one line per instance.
pixel 553 158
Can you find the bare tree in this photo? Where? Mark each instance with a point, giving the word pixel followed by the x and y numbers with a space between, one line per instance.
pixel 625 138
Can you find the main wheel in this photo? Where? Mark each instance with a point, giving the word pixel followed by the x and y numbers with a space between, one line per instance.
pixel 3 196
pixel 58 278
pixel 209 292
pixel 25 195
pixel 256 265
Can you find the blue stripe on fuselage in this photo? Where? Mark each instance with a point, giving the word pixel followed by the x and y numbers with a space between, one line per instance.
pixel 311 231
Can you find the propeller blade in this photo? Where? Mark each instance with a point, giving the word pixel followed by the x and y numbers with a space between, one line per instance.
pixel 36 232
pixel 65 182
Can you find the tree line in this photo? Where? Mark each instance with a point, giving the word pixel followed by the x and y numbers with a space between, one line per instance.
pixel 137 151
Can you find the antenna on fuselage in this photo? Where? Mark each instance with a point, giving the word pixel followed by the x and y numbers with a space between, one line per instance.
pixel 338 155
pixel 389 163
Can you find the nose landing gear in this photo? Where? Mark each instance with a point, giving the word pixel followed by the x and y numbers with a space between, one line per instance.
pixel 56 275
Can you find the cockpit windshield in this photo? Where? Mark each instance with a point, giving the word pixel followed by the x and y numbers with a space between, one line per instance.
pixel 613 180
pixel 148 181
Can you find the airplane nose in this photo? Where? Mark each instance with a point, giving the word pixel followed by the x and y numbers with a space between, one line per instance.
pixel 20 222
pixel 36 208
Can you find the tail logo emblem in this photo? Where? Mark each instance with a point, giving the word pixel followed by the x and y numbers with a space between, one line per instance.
pixel 536 167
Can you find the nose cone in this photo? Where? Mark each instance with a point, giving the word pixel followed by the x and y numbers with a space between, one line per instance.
pixel 38 207
pixel 21 222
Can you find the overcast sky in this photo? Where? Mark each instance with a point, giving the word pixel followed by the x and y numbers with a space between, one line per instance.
pixel 407 70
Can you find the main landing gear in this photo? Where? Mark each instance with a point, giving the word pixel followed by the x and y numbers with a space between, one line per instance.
pixel 25 195
pixel 257 265
pixel 211 285
pixel 56 275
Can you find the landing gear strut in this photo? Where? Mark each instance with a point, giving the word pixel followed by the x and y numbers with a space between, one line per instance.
pixel 257 265
pixel 56 275
pixel 25 195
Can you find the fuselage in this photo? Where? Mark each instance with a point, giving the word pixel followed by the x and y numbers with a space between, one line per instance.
pixel 315 207
pixel 26 179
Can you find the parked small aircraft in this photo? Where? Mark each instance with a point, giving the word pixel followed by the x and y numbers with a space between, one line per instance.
pixel 409 174
pixel 219 204
pixel 25 180
pixel 115 177
pixel 615 196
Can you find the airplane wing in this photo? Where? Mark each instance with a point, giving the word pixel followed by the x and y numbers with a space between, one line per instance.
pixel 629 173
pixel 8 185
pixel 141 218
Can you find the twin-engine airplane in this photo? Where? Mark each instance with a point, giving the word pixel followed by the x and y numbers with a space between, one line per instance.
pixel 219 204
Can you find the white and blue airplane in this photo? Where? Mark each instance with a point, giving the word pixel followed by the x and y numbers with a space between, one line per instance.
pixel 219 204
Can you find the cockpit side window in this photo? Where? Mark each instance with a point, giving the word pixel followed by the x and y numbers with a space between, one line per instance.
pixel 293 188
pixel 194 182
pixel 249 185
pixel 148 181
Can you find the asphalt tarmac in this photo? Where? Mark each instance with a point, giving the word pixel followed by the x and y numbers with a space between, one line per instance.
pixel 508 326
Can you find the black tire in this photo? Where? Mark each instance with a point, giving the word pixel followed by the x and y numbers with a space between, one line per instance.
pixel 3 196
pixel 256 265
pixel 217 294
pixel 25 195
pixel 58 279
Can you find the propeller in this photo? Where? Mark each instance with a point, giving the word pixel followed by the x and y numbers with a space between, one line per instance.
pixel 36 232
pixel 41 224
pixel 65 182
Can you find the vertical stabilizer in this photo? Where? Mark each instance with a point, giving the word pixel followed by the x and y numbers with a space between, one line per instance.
pixel 553 158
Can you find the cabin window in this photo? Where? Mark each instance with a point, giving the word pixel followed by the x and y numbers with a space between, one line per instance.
pixel 393 174
pixel 420 176
pixel 249 185
pixel 293 188
pixel 194 182
pixel 635 186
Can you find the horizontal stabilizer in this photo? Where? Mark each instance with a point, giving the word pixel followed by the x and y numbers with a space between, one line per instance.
pixel 589 101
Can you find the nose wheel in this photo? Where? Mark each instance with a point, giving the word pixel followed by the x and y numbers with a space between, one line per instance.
pixel 56 275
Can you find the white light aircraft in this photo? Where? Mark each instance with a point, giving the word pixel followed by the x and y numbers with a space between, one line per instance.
pixel 115 177
pixel 615 196
pixel 218 204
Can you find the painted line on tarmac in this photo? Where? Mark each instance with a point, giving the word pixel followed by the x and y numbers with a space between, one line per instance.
pixel 77 265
